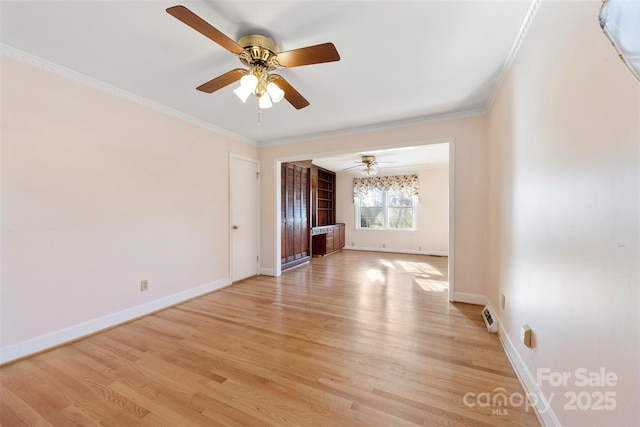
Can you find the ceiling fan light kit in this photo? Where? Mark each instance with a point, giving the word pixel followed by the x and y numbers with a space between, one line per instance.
pixel 257 81
pixel 369 170
pixel 371 166
pixel 261 55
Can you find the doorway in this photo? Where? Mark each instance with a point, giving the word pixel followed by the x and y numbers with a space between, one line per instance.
pixel 244 181
pixel 448 143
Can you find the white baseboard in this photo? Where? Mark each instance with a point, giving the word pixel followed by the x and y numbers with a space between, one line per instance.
pixel 543 410
pixel 53 339
pixel 398 251
pixel 470 298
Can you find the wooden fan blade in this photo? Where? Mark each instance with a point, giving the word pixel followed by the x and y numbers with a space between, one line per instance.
pixel 309 55
pixel 204 28
pixel 222 81
pixel 290 94
pixel 353 167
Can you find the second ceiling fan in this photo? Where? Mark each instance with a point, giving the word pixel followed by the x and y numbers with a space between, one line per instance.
pixel 261 55
pixel 371 165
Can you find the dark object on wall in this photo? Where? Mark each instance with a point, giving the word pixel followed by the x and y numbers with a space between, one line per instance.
pixel 620 21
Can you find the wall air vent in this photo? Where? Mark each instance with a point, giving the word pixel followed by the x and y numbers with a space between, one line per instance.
pixel 489 319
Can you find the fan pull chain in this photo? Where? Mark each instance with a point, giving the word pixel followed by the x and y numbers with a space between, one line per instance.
pixel 258 117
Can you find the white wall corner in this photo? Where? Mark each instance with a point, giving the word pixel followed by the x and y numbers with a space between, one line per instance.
pixel 468 298
pixel 71 333
pixel 268 272
pixel 541 405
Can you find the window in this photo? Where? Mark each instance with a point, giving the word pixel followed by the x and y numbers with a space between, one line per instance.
pixel 386 202
pixel 391 209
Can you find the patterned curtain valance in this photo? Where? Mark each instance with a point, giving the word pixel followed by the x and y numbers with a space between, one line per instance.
pixel 408 184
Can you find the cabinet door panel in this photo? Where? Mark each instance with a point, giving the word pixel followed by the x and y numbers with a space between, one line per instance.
pixel 304 207
pixel 297 212
pixel 283 214
pixel 330 239
pixel 290 249
pixel 290 192
pixel 295 207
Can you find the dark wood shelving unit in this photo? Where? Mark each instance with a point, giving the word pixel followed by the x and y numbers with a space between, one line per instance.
pixel 323 183
pixel 308 213
pixel 326 235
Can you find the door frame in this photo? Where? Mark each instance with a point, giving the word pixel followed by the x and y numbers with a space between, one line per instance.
pixel 278 205
pixel 450 140
pixel 257 215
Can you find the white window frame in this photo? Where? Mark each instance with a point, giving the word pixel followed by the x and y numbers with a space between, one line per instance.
pixel 385 213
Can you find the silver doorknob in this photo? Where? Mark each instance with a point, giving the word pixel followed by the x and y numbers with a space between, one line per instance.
pixel 235 227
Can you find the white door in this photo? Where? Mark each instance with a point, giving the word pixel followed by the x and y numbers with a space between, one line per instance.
pixel 244 217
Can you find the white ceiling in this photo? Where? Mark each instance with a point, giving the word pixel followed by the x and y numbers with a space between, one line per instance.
pixel 393 160
pixel 401 61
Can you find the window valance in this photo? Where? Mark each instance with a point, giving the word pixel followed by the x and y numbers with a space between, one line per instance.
pixel 408 184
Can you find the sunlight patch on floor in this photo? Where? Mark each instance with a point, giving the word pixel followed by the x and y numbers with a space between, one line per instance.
pixel 432 285
pixel 419 267
pixel 375 276
pixel 387 263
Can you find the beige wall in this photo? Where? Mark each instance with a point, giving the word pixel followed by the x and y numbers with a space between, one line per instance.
pixel 565 156
pixel 432 235
pixel 99 193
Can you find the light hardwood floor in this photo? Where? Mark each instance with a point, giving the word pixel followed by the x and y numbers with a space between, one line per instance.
pixel 355 338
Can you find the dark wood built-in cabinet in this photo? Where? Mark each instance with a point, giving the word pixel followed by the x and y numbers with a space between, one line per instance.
pixel 308 213
pixel 294 186
pixel 327 239
pixel 326 235
pixel 323 184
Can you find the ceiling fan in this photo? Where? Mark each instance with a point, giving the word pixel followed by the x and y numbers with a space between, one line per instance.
pixel 371 165
pixel 261 55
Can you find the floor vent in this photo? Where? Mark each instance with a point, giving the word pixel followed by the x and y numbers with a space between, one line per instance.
pixel 490 320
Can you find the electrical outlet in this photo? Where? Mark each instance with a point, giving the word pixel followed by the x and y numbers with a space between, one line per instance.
pixel 419 248
pixel 353 244
pixel 525 335
pixel 503 301
pixel 144 285
pixel 384 245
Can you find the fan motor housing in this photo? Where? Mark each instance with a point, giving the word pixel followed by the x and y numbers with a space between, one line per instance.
pixel 368 159
pixel 259 49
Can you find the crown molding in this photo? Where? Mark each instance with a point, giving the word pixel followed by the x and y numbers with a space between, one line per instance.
pixel 54 68
pixel 515 48
pixel 376 127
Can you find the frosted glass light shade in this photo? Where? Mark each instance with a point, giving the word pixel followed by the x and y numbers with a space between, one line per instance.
pixel 265 101
pixel 248 84
pixel 275 92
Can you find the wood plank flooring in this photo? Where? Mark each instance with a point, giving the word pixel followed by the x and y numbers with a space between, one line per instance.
pixel 352 339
